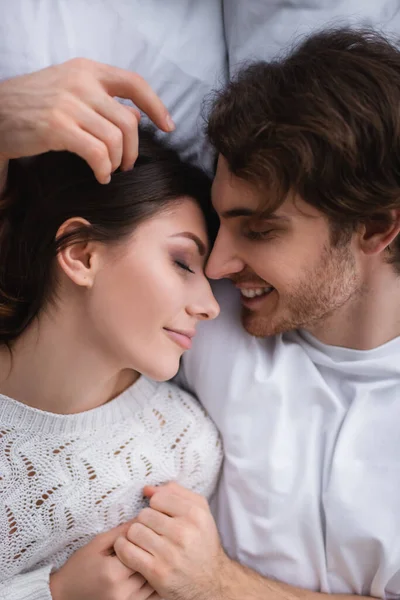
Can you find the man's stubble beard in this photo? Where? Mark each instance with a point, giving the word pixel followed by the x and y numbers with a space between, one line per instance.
pixel 315 298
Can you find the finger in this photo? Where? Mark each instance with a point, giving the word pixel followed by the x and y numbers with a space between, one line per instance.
pixel 106 131
pixel 105 541
pixel 134 557
pixel 155 520
pixel 125 84
pixel 146 592
pixel 131 140
pixel 127 123
pixel 170 504
pixel 136 579
pixel 135 111
pixel 146 538
pixel 121 570
pixel 179 490
pixel 91 149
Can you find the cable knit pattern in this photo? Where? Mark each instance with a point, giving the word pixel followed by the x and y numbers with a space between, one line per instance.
pixel 65 478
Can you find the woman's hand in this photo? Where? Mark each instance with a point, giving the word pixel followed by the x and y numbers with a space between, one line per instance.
pixel 94 572
pixel 72 106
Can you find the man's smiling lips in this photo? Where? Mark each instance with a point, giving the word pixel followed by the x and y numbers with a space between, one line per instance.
pixel 181 337
pixel 252 296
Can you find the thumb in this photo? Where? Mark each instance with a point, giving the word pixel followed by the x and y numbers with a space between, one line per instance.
pixel 105 541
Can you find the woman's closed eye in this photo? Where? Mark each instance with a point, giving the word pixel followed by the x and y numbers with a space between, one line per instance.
pixel 182 265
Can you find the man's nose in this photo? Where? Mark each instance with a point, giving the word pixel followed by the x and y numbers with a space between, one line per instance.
pixel 224 259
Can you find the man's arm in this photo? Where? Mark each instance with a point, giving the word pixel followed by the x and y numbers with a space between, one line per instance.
pixel 175 545
pixel 239 582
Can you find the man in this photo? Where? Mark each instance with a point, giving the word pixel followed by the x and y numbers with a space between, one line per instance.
pixel 307 195
pixel 307 392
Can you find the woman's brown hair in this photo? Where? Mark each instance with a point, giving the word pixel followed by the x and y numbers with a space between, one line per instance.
pixel 45 191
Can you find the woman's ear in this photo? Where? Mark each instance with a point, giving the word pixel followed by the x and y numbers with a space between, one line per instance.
pixel 80 260
pixel 377 234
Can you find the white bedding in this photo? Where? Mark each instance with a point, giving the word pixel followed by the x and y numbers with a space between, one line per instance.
pixel 179 46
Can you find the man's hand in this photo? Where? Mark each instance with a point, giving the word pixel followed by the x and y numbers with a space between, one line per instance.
pixel 72 106
pixel 175 545
pixel 94 573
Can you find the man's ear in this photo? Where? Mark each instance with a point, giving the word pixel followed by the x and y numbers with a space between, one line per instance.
pixel 78 260
pixel 377 234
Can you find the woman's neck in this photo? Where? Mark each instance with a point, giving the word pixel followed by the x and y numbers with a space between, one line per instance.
pixel 55 367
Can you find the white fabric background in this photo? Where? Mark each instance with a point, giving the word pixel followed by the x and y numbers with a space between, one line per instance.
pixel 259 29
pixel 179 46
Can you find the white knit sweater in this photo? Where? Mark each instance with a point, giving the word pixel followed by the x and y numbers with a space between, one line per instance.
pixel 66 478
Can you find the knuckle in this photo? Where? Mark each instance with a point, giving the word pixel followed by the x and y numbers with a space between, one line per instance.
pixel 144 515
pixel 128 121
pixel 55 118
pixel 75 75
pixel 97 153
pixel 77 82
pixel 79 63
pixel 196 514
pixel 133 531
pixel 120 547
pixel 114 137
pixel 154 500
pixel 183 537
pixel 137 79
pixel 63 103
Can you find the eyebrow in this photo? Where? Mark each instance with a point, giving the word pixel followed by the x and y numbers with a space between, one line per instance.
pixel 248 212
pixel 191 236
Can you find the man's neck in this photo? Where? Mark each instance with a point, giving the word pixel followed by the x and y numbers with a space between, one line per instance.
pixel 370 318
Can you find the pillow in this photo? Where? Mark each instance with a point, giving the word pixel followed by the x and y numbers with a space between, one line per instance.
pixel 177 46
pixel 260 29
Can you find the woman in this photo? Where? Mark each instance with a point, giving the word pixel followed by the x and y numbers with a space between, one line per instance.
pixel 101 289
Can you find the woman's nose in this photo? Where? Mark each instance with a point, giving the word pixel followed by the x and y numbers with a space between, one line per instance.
pixel 206 307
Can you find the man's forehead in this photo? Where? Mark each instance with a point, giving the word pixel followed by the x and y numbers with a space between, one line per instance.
pixel 233 197
pixel 240 199
pixel 230 191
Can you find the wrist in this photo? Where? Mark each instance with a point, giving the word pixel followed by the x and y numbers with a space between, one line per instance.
pixel 224 583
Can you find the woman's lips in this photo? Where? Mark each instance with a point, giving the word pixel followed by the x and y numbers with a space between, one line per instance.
pixel 182 338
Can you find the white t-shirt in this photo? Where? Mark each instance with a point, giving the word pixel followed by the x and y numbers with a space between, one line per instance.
pixel 310 490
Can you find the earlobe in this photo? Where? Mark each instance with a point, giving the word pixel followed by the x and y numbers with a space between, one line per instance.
pixel 77 259
pixel 377 234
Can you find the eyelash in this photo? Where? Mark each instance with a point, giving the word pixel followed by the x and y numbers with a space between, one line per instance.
pixel 183 266
pixel 258 235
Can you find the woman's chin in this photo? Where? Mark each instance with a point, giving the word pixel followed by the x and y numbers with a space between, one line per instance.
pixel 162 372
